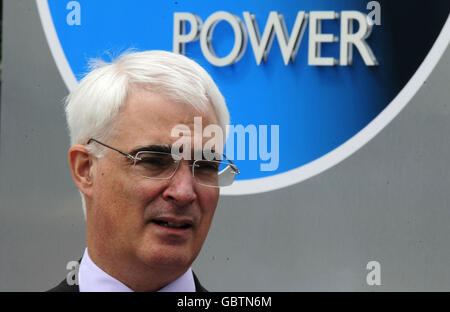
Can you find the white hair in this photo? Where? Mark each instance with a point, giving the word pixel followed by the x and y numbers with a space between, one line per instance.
pixel 94 104
pixel 92 107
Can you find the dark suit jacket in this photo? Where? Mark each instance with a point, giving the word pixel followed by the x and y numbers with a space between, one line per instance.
pixel 64 287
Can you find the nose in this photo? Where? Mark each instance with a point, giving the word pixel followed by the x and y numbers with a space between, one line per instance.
pixel 181 189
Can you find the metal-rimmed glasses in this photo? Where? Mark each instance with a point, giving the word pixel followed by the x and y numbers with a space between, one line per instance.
pixel 162 166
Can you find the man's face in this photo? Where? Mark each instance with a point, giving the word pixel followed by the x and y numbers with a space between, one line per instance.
pixel 126 210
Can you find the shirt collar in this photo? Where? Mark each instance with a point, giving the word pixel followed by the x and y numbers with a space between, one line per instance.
pixel 93 279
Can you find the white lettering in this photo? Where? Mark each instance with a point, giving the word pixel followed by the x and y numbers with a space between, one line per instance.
pixel 275 25
pixel 348 38
pixel 316 38
pixel 179 29
pixel 240 39
pixel 189 302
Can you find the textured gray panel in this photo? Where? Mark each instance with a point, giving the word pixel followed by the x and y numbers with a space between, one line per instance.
pixel 41 222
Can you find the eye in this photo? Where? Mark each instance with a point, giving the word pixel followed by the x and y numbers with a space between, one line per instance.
pixel 207 166
pixel 156 165
pixel 154 160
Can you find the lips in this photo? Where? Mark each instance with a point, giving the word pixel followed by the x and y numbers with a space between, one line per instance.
pixel 173 223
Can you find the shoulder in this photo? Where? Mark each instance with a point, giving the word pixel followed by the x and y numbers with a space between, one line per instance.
pixel 198 286
pixel 64 287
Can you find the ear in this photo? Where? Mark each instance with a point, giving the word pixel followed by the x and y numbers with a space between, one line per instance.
pixel 80 162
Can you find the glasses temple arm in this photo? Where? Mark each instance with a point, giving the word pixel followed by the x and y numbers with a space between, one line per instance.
pixel 232 164
pixel 115 149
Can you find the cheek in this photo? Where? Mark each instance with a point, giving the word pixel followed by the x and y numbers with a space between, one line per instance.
pixel 113 187
pixel 114 197
pixel 146 190
pixel 208 202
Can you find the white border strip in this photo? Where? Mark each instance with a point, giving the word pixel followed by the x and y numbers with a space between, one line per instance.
pixel 315 167
pixel 55 46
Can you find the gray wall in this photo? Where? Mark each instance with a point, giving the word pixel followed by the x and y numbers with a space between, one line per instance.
pixel 388 202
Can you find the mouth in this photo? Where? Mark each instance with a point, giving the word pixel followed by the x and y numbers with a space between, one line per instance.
pixel 173 223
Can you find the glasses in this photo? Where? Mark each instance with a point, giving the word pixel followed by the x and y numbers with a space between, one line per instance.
pixel 162 166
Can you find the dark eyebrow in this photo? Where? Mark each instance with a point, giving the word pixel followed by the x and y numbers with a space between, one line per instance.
pixel 166 149
pixel 151 148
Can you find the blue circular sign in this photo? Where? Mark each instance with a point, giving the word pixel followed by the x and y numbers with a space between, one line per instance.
pixel 307 83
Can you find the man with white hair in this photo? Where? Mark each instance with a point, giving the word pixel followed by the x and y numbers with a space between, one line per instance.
pixel 148 210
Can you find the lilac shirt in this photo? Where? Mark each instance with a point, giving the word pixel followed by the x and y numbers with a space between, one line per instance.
pixel 93 279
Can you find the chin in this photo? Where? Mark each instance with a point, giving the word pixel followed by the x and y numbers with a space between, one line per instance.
pixel 167 257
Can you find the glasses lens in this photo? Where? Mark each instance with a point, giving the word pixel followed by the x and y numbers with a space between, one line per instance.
pixel 213 173
pixel 155 165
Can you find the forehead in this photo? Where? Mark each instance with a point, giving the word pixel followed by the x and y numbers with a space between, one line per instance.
pixel 148 118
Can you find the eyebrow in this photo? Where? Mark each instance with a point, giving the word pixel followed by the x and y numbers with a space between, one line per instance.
pixel 151 148
pixel 164 148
